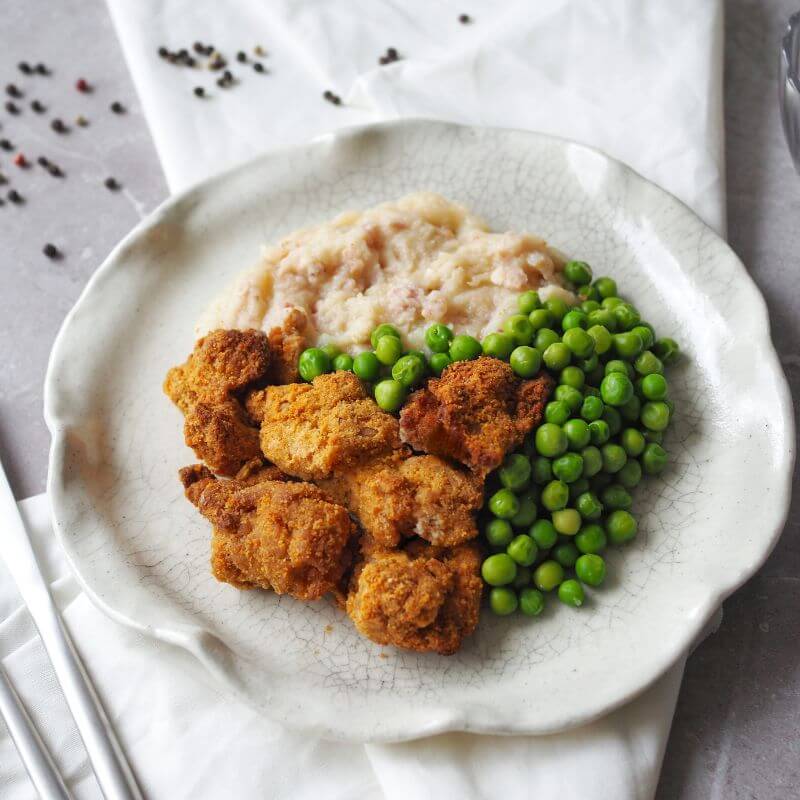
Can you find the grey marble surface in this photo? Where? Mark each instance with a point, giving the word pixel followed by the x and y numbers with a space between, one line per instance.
pixel 735 733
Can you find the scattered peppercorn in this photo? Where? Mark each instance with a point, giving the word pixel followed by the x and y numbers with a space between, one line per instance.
pixel 51 251
pixel 38 107
pixel 82 85
pixel 392 53
pixel 42 69
pixel 241 57
pixel 81 120
pixel 13 91
pixel 332 98
pixel 25 67
pixel 111 184
pixel 21 161
pixel 6 145
pixel 3 179
pixel 55 171
pixel 58 126
pixel 199 91
pixel 117 107
pixel 465 19
pixel 258 67
pixel 163 52
pixel 42 161
pixel 259 51
pixel 12 108
pixel 217 62
pixel 15 197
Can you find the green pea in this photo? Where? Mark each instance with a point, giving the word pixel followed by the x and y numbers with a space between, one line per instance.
pixel 577 488
pixel 627 316
pixel 555 496
pixel 616 365
pixel 621 527
pixel 632 441
pixel 654 436
pixel 498 533
pixel 610 303
pixel 654 459
pixel 529 301
pixel 645 333
pixel 655 415
pixel 590 293
pixel 343 363
pixel 616 496
pixel 567 521
pixel 591 569
pixel 572 397
pixel 591 391
pixel 592 408
pixel 503 601
pixel 557 307
pixel 540 318
pixel 570 593
pixel 551 441
pixel 627 345
pixel 438 338
pixel 580 343
pixel 523 578
pixel 577 433
pixel 599 432
pixel 613 420
pixel 515 472
pixel 498 345
pixel 572 376
pixel 587 306
pixel 465 348
pixel 647 363
pixel 313 362
pixel 654 387
pixel 543 533
pixel 606 287
pixel 578 272
pixel 542 470
pixel 557 356
pixel 614 457
pixel 568 468
pixel 531 602
pixel 331 350
pixel 519 328
pixel 389 394
pixel 592 460
pixel 528 510
pixel 408 371
pixel 667 350
pixel 591 538
pixel 616 389
pixel 630 411
pixel 630 475
pixel 525 361
pixel 366 366
pixel 576 318
pixel 602 318
pixel 499 569
pixel 548 575
pixel 589 506
pixel 566 554
pixel 544 338
pixel 383 330
pixel 504 504
pixel 438 362
pixel 388 350
pixel 523 550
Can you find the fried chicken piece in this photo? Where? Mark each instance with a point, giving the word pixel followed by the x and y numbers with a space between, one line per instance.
pixel 220 435
pixel 423 598
pixel 285 345
pixel 254 403
pixel 313 430
pixel 286 536
pixel 223 362
pixel 400 495
pixel 475 413
pixel 258 470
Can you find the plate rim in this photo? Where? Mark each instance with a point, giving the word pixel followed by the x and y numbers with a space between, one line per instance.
pixel 443 719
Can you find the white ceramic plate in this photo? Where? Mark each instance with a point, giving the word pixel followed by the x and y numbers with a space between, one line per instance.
pixel 141 551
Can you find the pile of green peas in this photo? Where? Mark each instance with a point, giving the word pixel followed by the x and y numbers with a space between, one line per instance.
pixel 391 369
pixel 556 505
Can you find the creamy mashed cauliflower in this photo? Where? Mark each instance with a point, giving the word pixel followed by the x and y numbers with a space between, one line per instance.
pixel 418 260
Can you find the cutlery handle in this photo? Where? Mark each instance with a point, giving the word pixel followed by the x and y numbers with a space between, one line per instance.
pixel 32 750
pixel 789 87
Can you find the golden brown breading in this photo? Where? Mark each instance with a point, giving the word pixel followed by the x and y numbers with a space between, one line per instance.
pixel 475 413
pixel 223 362
pixel 258 470
pixel 285 345
pixel 254 402
pixel 422 598
pixel 313 430
pixel 286 536
pixel 400 495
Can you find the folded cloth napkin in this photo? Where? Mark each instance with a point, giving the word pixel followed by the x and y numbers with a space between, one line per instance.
pixel 642 81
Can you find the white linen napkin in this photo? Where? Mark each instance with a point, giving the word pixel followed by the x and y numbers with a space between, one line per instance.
pixel 642 81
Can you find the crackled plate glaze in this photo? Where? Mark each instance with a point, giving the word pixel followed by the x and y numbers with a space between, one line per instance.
pixel 141 551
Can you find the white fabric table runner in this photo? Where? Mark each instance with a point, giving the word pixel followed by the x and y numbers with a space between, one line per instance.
pixel 642 81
